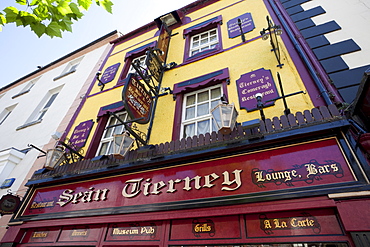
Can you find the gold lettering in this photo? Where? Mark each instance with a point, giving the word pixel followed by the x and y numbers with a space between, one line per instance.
pixel 39 235
pixel 267 224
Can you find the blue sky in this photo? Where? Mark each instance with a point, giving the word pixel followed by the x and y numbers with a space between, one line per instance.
pixel 21 51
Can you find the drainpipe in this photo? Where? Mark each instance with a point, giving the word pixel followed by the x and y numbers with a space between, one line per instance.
pixel 306 54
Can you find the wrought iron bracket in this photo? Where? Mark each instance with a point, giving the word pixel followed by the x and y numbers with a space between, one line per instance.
pixel 133 130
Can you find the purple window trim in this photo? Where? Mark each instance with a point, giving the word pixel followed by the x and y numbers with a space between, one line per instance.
pixel 211 79
pixel 198 28
pixel 131 55
pixel 115 107
pixel 142 49
pixel 215 22
pixel 201 81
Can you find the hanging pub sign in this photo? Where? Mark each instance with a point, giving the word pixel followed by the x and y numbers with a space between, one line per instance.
pixel 110 73
pixel 258 81
pixel 163 42
pixel 246 22
pixel 81 133
pixel 154 64
pixel 137 100
pixel 9 204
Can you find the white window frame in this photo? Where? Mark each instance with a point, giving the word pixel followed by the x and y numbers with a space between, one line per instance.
pixel 212 102
pixel 72 66
pixel 5 113
pixel 196 40
pixel 141 59
pixel 46 106
pixel 107 137
pixel 27 88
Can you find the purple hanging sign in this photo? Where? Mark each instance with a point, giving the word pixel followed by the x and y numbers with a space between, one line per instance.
pixel 81 133
pixel 247 25
pixel 258 81
pixel 110 73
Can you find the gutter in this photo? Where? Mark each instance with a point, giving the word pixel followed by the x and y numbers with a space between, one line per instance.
pixel 317 72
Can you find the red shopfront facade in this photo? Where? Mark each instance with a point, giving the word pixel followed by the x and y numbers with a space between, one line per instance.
pixel 276 197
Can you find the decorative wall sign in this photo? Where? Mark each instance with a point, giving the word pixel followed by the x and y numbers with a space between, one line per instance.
pixel 293 223
pixel 134 231
pixel 258 81
pixel 9 204
pixel 7 183
pixel 303 221
pixel 110 73
pixel 137 100
pixel 41 235
pixel 271 171
pixel 80 233
pixel 206 228
pixel 247 25
pixel 81 133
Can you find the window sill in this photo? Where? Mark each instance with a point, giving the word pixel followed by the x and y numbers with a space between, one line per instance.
pixel 19 94
pixel 63 75
pixel 28 124
pixel 202 55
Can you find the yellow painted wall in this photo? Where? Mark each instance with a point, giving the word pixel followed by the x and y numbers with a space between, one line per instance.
pixel 240 59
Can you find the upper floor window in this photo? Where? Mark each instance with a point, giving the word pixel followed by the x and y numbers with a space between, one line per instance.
pixel 5 113
pixel 138 54
pixel 203 39
pixel 197 118
pixel 106 142
pixel 195 98
pixel 27 88
pixel 46 107
pixel 141 62
pixel 70 68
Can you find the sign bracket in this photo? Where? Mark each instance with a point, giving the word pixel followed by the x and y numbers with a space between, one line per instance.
pixel 139 137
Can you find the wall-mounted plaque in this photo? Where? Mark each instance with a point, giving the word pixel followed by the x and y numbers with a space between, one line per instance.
pixel 258 81
pixel 110 73
pixel 247 25
pixel 81 133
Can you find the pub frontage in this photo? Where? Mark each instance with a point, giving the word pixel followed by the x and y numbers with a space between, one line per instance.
pixel 223 139
pixel 294 187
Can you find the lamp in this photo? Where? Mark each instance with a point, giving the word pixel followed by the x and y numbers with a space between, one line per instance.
pixel 273 31
pixel 54 157
pixel 224 117
pixel 122 143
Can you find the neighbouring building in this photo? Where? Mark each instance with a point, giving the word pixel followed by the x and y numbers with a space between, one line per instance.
pixel 153 156
pixel 35 106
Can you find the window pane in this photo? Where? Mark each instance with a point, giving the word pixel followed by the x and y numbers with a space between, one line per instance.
pixel 203 127
pixel 190 100
pixel 189 130
pixel 203 96
pixel 190 113
pixel 103 148
pixel 194 52
pixel 51 100
pixel 215 93
pixel 214 103
pixel 202 110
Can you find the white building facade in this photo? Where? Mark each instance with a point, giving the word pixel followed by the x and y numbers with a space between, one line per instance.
pixel 36 106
